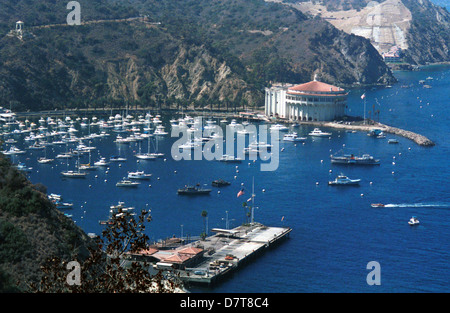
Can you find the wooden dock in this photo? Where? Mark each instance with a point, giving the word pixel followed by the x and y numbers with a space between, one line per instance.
pixel 227 250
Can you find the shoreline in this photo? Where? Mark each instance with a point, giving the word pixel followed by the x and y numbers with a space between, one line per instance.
pixel 417 138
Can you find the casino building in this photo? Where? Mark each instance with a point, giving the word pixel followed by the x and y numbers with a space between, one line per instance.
pixel 313 101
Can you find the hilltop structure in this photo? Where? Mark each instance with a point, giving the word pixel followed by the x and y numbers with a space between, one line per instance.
pixel 312 101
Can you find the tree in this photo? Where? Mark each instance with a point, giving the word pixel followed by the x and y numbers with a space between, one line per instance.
pixel 104 271
pixel 204 215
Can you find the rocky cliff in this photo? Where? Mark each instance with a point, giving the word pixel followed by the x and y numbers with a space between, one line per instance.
pixel 197 53
pixel 420 28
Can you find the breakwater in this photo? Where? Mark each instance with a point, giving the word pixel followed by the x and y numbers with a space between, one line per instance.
pixel 417 138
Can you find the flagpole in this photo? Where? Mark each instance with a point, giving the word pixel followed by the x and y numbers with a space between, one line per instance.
pixel 364 97
pixel 253 201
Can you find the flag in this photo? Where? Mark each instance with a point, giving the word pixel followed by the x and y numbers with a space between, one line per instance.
pixel 240 193
pixel 363 96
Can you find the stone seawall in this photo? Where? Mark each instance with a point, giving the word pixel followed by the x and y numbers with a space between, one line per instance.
pixel 417 138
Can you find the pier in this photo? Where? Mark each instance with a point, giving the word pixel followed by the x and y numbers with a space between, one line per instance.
pixel 227 250
pixel 207 261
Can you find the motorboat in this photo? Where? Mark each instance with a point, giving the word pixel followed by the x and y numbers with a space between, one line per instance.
pixel 293 137
pixel 64 156
pixel 343 180
pixel 189 145
pixel 413 221
pixel 229 159
pixel 73 174
pixel 193 191
pixel 220 183
pixel 377 205
pixel 116 158
pixel 159 131
pixel 127 183
pixel 279 127
pixel 45 160
pixel 392 141
pixel 145 156
pixel 101 162
pixel 63 205
pixel 251 151
pixel 87 167
pixel 139 175
pixel 117 211
pixel 365 159
pixel 22 167
pixel 13 151
pixel 244 132
pixel 260 145
pixel 318 133
pixel 233 123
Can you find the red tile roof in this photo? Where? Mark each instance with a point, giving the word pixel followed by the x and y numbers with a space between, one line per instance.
pixel 190 250
pixel 315 86
pixel 148 251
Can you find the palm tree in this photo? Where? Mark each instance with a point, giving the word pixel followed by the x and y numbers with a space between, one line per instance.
pixel 204 215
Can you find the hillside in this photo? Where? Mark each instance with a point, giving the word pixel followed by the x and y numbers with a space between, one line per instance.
pixel 193 53
pixel 31 230
pixel 421 28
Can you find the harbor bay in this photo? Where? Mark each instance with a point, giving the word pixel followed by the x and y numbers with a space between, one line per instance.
pixel 335 231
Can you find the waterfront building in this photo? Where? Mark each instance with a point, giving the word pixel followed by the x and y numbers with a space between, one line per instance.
pixel 394 55
pixel 312 101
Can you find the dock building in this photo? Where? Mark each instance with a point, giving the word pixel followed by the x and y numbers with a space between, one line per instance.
pixel 312 101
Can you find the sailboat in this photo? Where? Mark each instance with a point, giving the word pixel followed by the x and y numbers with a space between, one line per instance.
pixel 45 160
pixel 88 166
pixel 117 158
pixel 145 156
pixel 74 174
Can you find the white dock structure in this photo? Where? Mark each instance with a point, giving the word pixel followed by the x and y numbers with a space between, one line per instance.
pixel 228 249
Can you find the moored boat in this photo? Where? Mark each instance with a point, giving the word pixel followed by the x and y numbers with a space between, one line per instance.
pixel 293 137
pixel 220 183
pixel 365 159
pixel 193 191
pixel 139 175
pixel 127 183
pixel 343 180
pixel 318 133
pixel 413 221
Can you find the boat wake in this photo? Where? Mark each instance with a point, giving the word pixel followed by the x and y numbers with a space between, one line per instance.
pixel 441 205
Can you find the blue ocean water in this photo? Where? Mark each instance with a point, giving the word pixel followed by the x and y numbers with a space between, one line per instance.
pixel 335 230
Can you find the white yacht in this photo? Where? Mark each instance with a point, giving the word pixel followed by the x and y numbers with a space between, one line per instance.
pixel 13 151
pixel 293 137
pixel 189 145
pixel 101 162
pixel 159 131
pixel 279 127
pixel 318 133
pixel 260 145
pixel 230 159
pixel 117 158
pixel 44 160
pixel 127 183
pixel 413 221
pixel 139 175
pixel 73 174
pixel 343 180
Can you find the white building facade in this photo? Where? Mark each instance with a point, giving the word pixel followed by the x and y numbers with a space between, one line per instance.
pixel 313 101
